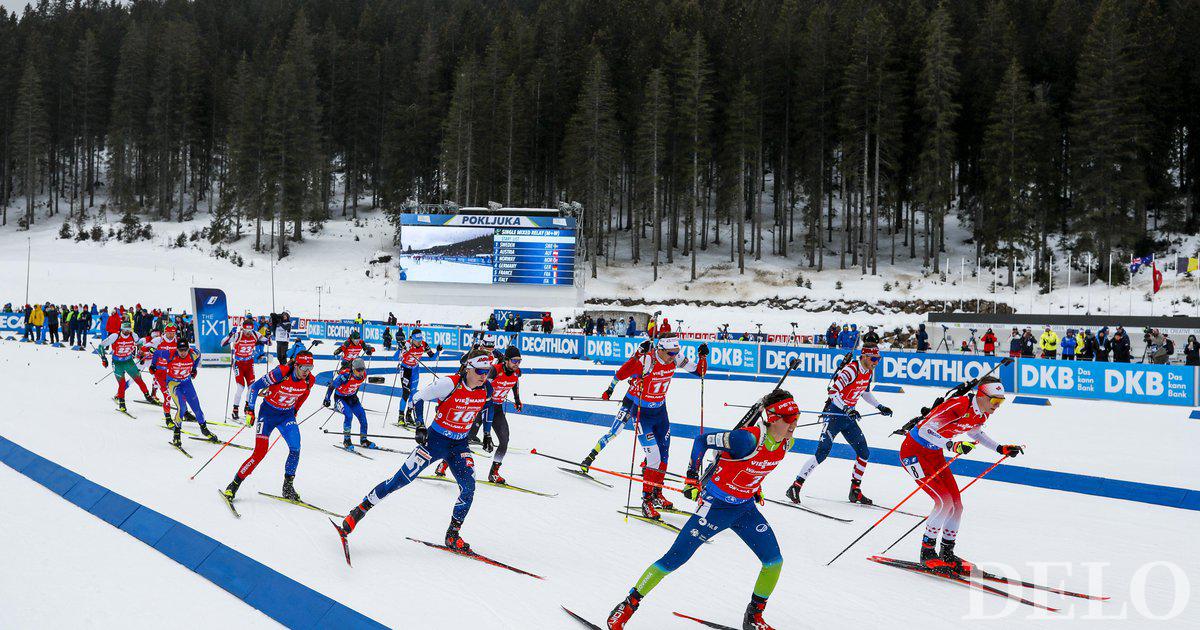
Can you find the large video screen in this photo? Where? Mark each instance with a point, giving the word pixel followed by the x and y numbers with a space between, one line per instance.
pixel 487 249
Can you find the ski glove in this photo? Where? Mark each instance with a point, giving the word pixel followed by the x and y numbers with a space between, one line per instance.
pixel 885 411
pixel 518 406
pixel 422 435
pixel 439 347
pixel 962 448
pixel 702 350
pixel 325 402
pixel 606 395
pixel 488 445
pixel 1010 450
pixel 853 414
pixel 104 362
pixel 249 417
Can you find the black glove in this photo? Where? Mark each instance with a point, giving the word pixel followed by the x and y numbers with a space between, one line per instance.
pixel 518 406
pixel 439 347
pixel 853 414
pixel 885 411
pixel 325 402
pixel 644 347
pixel 422 435
pixel 488 445
pixel 702 351
pixel 104 362
pixel 691 485
pixel 194 372
pixel 1010 450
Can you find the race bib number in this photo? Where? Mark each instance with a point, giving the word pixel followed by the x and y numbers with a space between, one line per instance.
pixel 913 466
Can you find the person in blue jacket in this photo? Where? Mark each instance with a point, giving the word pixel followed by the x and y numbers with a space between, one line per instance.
pixel 1068 345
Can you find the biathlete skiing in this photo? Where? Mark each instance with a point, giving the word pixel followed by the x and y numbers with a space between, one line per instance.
pixel 727 497
pixel 246 345
pixel 649 372
pixel 284 390
pixel 458 399
pixel 850 383
pixel 343 390
pixel 923 455
pixel 409 354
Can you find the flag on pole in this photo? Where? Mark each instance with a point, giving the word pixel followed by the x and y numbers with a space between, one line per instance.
pixel 1158 277
pixel 1137 263
pixel 1186 265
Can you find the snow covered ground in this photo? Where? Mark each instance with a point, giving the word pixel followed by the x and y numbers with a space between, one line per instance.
pixel 331 273
pixel 1141 555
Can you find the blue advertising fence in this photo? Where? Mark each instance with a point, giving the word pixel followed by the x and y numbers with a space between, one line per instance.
pixel 1125 382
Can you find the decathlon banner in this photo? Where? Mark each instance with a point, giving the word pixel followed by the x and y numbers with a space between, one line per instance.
pixel 467 337
pixel 814 362
pixel 12 321
pixel 1123 382
pixel 211 325
pixel 489 221
pixel 551 345
pixel 938 370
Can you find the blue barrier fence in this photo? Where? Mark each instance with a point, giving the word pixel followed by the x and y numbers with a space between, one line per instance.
pixel 1123 382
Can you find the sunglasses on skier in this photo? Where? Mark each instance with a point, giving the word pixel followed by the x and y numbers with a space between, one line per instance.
pixel 515 361
pixel 482 371
pixel 995 400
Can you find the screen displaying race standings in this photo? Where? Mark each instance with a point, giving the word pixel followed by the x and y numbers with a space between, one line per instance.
pixel 487 249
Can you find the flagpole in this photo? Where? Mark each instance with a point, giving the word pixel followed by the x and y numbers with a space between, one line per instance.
pixel 1108 293
pixel 1032 288
pixel 1069 282
pixel 1131 289
pixel 1050 286
pixel 962 283
pixel 1089 283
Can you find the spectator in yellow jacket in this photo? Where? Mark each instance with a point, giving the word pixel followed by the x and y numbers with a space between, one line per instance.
pixel 1049 343
pixel 37 317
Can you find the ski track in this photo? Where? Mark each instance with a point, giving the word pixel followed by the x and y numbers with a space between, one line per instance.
pixel 588 554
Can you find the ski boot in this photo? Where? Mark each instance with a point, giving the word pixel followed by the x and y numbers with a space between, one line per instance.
pixel 289 492
pixel 648 510
pixel 440 471
pixel 494 474
pixel 208 435
pixel 236 415
pixel 175 439
pixel 352 519
pixel 624 610
pixel 151 399
pixel 856 495
pixel 346 443
pixel 793 492
pixel 929 556
pixel 753 619
pixel 454 540
pixel 365 443
pixel 951 562
pixel 189 416
pixel 120 404
pixel 661 502
pixel 586 464
pixel 167 420
pixel 231 490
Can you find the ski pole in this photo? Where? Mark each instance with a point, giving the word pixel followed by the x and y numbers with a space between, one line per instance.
pixel 804 411
pixel 214 456
pixel 755 409
pixel 614 473
pixel 892 511
pixel 809 424
pixel 702 405
pixel 229 379
pixel 570 397
pixel 331 412
pixel 390 437
pixel 108 374
pixel 918 523
pixel 637 431
pixel 392 393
